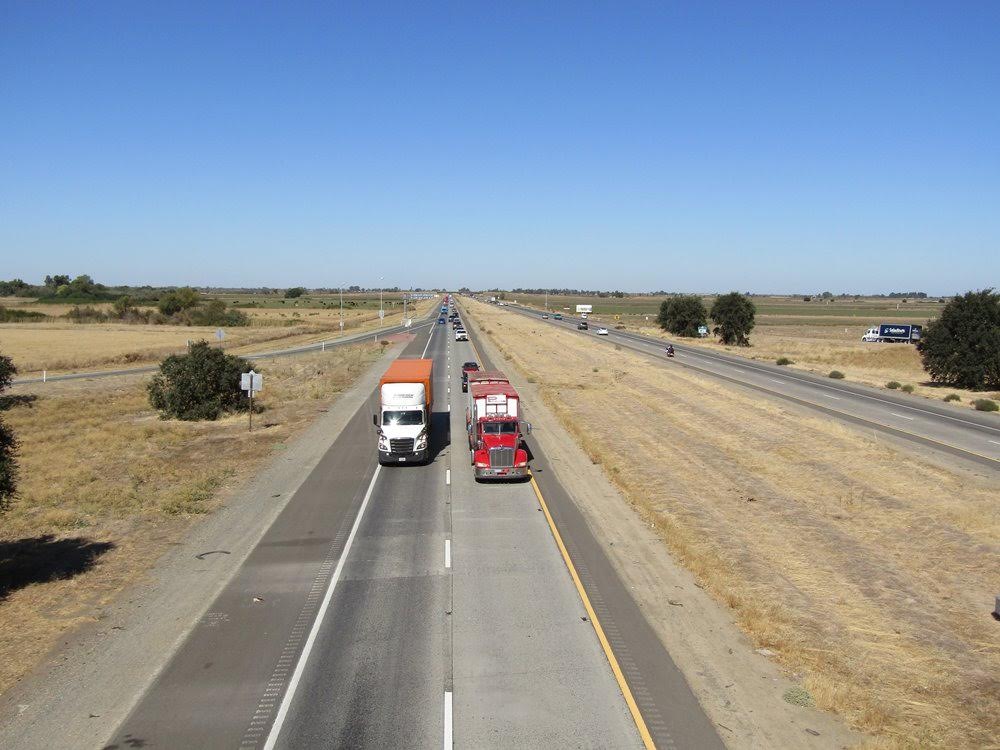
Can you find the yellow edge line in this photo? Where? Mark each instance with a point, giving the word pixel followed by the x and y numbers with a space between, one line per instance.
pixel 633 707
pixel 640 723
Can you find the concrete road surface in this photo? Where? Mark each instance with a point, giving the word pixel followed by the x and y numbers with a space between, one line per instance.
pixel 412 607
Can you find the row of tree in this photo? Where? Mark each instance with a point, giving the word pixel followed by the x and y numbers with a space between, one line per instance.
pixel 733 315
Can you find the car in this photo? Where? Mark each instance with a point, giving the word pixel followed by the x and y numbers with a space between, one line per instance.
pixel 602 331
pixel 557 316
pixel 468 367
pixel 457 324
pixel 545 316
pixel 441 321
pixel 582 326
pixel 461 335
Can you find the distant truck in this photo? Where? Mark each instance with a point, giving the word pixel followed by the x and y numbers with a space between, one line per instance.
pixel 493 422
pixel 404 418
pixel 892 333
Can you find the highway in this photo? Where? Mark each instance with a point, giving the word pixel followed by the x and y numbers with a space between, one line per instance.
pixel 964 433
pixel 411 607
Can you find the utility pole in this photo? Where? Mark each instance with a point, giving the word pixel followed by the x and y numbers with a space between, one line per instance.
pixel 341 308
pixel 381 309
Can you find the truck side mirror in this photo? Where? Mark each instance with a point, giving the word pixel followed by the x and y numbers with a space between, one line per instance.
pixel 527 428
pixel 375 419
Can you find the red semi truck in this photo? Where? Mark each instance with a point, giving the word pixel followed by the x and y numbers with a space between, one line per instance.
pixel 493 421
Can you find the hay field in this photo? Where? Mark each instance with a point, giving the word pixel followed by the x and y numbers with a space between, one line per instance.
pixel 869 573
pixel 107 486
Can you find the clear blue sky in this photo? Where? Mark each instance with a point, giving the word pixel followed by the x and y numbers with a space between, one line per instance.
pixel 691 146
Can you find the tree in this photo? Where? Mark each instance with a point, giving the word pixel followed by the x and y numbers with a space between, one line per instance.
pixel 682 315
pixel 179 299
pixel 202 384
pixel 295 291
pixel 962 347
pixel 733 314
pixel 8 442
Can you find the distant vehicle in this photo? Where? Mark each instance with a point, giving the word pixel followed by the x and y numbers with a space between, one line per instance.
pixel 456 323
pixel 582 326
pixel 892 333
pixel 493 421
pixel 557 316
pixel 584 315
pixel 441 321
pixel 545 316
pixel 403 421
pixel 461 335
pixel 602 331
pixel 468 367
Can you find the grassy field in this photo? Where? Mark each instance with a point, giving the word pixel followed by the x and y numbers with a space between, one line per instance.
pixel 817 336
pixel 60 345
pixel 869 573
pixel 107 486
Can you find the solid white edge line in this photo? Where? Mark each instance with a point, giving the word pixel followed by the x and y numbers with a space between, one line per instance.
pixel 428 343
pixel 448 743
pixel 293 683
pixel 447 553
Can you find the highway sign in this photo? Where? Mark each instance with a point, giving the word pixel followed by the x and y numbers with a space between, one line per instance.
pixel 251 381
pixel 585 308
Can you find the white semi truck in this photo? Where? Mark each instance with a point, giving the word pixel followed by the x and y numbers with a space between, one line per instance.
pixel 404 418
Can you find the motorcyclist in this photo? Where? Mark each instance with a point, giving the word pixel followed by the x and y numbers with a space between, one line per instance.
pixel 670 350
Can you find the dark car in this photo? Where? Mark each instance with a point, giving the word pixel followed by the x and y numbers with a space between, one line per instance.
pixel 466 369
pixel 582 326
pixel 441 321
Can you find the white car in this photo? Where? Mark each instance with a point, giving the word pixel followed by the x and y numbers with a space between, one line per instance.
pixel 461 335
pixel 602 331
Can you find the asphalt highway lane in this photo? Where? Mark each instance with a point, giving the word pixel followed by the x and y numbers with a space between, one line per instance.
pixel 967 434
pixel 402 606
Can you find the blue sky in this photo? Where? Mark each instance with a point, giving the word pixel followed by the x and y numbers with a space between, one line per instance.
pixel 685 146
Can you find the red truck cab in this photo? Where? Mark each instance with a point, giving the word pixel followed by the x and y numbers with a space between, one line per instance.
pixel 493 422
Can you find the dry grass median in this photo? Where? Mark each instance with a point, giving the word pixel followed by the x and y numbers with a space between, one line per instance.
pixel 107 486
pixel 868 572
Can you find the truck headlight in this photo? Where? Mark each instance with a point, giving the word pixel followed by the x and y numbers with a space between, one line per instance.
pixel 383 443
pixel 421 441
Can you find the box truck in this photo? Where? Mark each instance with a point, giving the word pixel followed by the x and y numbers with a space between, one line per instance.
pixel 404 418
pixel 892 333
pixel 493 422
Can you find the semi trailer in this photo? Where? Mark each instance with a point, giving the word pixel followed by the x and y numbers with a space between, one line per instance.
pixel 494 424
pixel 403 421
pixel 886 333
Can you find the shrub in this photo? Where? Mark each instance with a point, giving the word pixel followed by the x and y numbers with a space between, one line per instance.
pixel 985 404
pixel 962 347
pixel 682 315
pixel 893 385
pixel 202 384
pixel 8 442
pixel 907 388
pixel 215 313
pixel 20 316
pixel 733 314
pixel 178 300
pixel 295 291
pixel 952 397
pixel 784 361
pixel 836 375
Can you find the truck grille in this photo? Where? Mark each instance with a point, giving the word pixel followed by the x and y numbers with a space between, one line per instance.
pixel 401 445
pixel 501 458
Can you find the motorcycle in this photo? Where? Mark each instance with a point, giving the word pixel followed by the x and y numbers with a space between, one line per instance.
pixel 670 351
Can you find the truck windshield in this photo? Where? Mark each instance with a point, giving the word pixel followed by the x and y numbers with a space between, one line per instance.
pixel 500 428
pixel 410 417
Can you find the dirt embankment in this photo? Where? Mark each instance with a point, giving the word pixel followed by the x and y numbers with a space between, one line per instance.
pixel 106 487
pixel 867 571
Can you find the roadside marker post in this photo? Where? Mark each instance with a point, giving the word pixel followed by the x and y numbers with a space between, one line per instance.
pixel 251 382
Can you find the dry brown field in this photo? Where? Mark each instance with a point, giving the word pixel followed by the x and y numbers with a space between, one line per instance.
pixel 868 572
pixel 61 345
pixel 107 486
